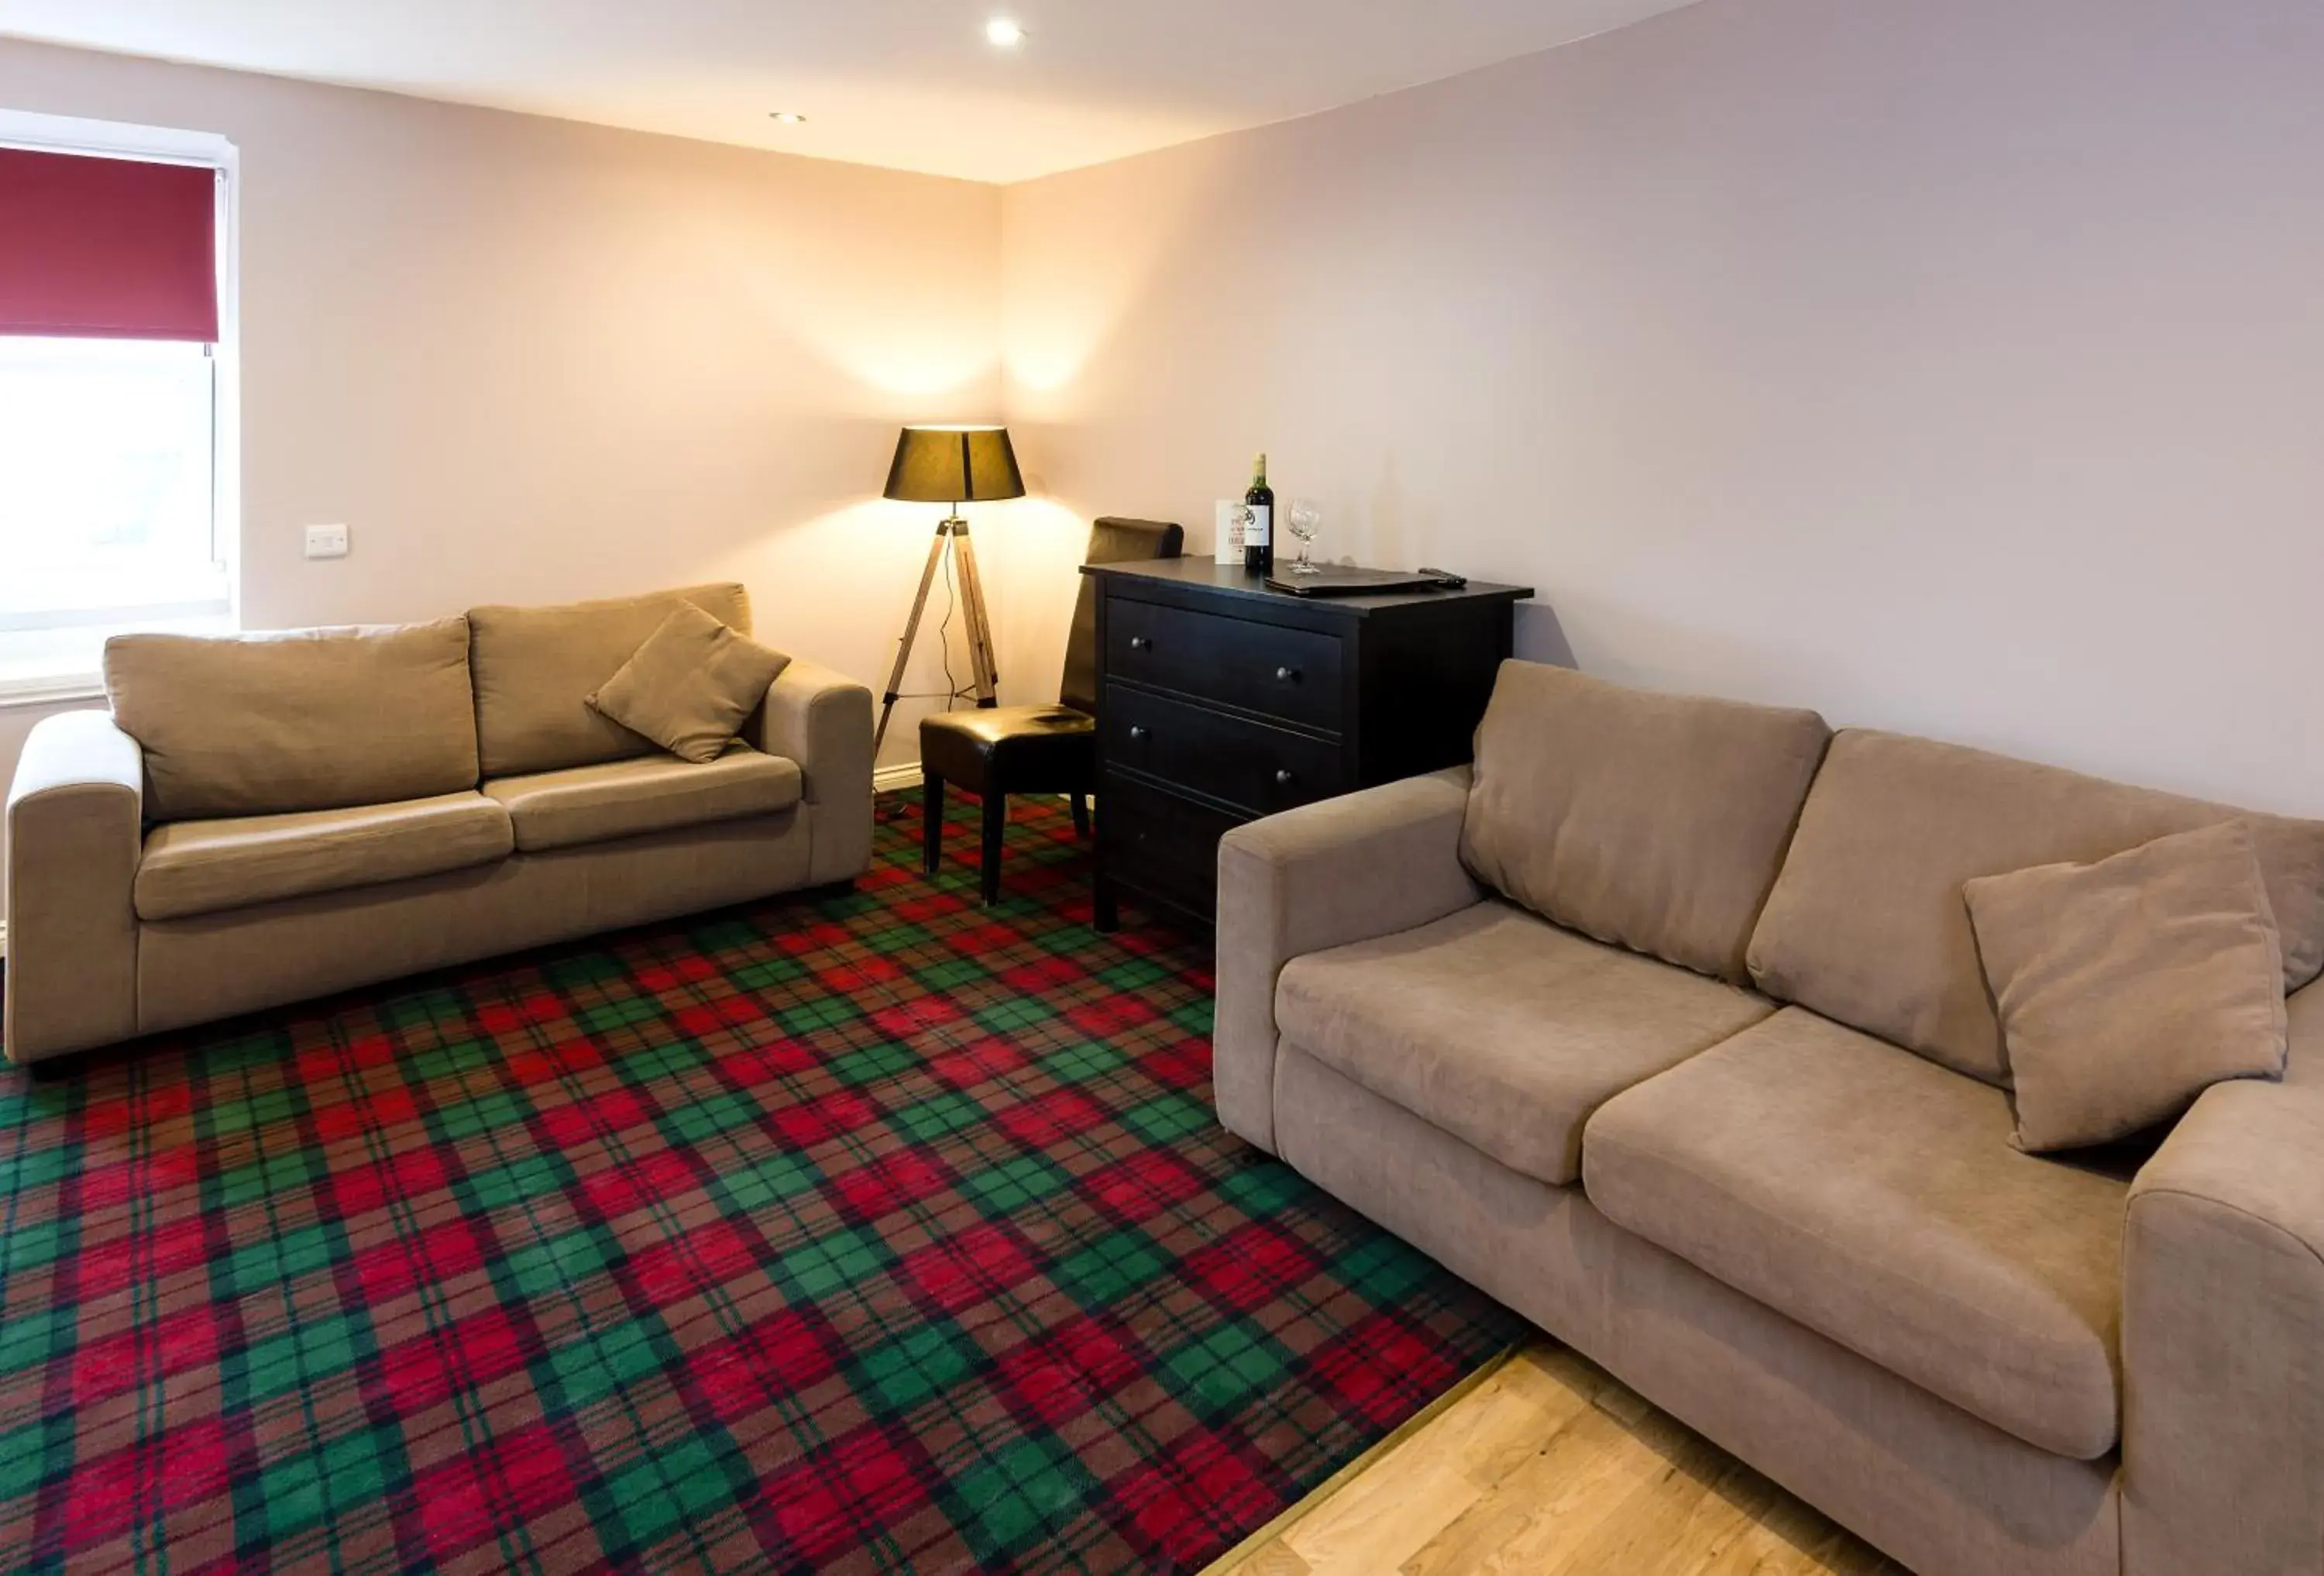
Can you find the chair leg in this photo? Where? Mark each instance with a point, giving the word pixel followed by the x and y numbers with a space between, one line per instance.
pixel 996 818
pixel 931 822
pixel 1080 816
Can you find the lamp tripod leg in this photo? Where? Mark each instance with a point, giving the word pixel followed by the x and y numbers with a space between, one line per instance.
pixel 980 627
pixel 904 646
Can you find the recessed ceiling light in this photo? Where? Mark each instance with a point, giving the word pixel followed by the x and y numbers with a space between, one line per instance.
pixel 789 117
pixel 1002 34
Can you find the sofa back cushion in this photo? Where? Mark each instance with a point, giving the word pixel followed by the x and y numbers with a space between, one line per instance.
pixel 1867 923
pixel 265 724
pixel 1654 822
pixel 536 668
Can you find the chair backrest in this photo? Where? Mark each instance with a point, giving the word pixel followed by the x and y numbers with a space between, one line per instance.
pixel 1111 541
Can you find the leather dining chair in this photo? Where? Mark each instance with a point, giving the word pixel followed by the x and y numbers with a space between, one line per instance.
pixel 998 751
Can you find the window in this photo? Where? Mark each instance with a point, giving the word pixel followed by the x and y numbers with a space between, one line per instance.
pixel 117 393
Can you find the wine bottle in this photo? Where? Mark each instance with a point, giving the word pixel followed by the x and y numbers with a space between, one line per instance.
pixel 1259 536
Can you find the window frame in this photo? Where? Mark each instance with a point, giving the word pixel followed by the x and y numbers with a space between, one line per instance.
pixel 59 134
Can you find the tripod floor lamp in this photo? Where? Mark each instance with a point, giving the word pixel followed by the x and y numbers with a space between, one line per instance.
pixel 954 465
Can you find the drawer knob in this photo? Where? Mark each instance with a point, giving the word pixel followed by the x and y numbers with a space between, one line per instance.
pixel 1283 778
pixel 1138 730
pixel 1286 675
pixel 1140 643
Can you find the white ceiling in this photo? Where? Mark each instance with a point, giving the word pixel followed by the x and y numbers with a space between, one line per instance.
pixel 906 83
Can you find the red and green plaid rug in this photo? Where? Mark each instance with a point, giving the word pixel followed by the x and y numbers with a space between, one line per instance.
pixel 871 1232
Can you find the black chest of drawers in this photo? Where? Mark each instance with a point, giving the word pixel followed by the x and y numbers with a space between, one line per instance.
pixel 1219 701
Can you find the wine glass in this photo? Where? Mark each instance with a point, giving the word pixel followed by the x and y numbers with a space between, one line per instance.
pixel 1303 519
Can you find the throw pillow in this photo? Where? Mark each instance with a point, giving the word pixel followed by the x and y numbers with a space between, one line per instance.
pixel 2127 987
pixel 691 686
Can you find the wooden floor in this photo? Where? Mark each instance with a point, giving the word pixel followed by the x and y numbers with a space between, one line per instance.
pixel 1548 1466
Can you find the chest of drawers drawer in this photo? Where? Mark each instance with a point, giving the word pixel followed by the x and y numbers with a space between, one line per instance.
pixel 1255 765
pixel 1270 669
pixel 1161 843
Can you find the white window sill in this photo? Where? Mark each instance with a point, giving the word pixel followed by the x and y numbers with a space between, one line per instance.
pixel 51 689
pixel 62 663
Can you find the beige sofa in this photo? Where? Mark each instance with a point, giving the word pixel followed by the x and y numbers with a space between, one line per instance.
pixel 300 813
pixel 1665 1025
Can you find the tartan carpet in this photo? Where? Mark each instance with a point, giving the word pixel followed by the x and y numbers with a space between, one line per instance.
pixel 860 1232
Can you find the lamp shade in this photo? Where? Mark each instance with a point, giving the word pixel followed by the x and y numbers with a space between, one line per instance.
pixel 955 464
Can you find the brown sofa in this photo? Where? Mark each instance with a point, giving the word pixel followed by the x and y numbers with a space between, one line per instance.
pixel 266 818
pixel 1665 1024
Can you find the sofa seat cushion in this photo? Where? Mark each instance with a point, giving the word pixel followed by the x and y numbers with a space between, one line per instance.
pixel 627 799
pixel 201 866
pixel 1502 1030
pixel 1874 1196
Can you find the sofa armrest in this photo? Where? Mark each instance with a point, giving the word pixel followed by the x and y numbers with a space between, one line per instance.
pixel 1340 871
pixel 823 721
pixel 2223 1338
pixel 75 821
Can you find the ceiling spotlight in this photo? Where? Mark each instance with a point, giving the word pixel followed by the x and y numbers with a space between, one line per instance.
pixel 789 117
pixel 1002 34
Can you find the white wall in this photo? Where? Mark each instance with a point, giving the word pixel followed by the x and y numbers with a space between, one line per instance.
pixel 526 360
pixel 1950 366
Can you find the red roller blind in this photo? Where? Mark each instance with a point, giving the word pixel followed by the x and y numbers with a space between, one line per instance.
pixel 107 248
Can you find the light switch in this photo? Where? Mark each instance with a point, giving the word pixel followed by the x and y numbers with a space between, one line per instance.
pixel 326 541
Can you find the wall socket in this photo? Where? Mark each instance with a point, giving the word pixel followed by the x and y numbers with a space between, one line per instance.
pixel 326 541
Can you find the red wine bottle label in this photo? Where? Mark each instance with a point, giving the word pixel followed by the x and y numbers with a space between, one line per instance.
pixel 1258 532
